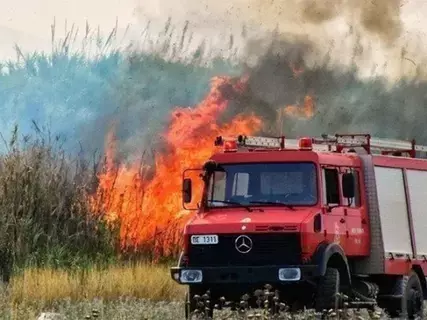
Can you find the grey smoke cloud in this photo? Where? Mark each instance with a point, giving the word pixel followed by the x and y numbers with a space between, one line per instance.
pixel 327 38
pixel 388 34
pixel 363 65
pixel 343 101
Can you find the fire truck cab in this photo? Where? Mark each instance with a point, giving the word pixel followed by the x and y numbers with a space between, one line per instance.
pixel 317 219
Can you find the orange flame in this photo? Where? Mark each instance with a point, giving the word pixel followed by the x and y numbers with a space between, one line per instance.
pixel 306 111
pixel 297 71
pixel 149 210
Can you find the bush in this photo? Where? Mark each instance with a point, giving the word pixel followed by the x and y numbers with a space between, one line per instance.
pixel 44 213
pixel 45 218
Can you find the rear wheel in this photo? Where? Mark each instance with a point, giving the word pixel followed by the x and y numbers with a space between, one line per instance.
pixel 411 304
pixel 327 296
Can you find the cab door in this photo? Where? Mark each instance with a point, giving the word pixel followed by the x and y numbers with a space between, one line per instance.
pixel 334 218
pixel 356 217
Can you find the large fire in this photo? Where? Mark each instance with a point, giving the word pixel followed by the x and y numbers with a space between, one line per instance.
pixel 305 111
pixel 149 210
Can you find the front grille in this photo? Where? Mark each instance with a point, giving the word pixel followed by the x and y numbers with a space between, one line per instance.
pixel 267 249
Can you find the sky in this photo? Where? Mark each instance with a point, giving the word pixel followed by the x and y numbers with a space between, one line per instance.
pixel 27 23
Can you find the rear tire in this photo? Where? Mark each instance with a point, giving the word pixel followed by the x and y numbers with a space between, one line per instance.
pixel 327 296
pixel 412 302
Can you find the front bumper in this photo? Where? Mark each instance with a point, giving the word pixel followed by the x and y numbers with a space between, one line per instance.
pixel 245 275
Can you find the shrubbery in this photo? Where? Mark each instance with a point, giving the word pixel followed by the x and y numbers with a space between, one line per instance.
pixel 44 212
pixel 46 175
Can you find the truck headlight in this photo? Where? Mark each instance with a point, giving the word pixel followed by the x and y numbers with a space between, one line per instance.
pixel 289 274
pixel 191 276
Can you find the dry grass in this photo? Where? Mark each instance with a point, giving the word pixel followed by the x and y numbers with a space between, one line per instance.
pixel 140 291
pixel 141 281
pixel 45 219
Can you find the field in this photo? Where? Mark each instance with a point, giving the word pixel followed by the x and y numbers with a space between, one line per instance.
pixel 141 291
pixel 117 292
pixel 57 110
pixel 57 250
pixel 56 247
pixel 60 184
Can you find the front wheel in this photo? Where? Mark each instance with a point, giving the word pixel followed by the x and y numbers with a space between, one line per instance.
pixel 327 295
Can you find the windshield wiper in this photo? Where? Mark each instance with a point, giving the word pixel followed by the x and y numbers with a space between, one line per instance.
pixel 233 202
pixel 274 203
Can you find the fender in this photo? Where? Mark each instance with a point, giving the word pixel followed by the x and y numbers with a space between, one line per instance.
pixel 324 252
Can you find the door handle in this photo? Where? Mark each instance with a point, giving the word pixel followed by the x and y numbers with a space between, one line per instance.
pixel 342 220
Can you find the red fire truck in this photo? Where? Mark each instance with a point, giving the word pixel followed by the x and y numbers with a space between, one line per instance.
pixel 312 217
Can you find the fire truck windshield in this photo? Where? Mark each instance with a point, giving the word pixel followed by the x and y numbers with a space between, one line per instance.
pixel 292 183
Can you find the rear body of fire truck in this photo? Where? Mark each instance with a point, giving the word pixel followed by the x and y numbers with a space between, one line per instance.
pixel 311 218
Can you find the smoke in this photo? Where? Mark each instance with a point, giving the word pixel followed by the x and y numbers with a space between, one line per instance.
pixel 139 102
pixel 354 55
pixel 343 101
pixel 359 68
pixel 380 18
pixel 379 30
pixel 78 98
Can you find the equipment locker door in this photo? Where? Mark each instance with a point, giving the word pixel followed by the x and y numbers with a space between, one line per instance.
pixel 356 219
pixel 335 226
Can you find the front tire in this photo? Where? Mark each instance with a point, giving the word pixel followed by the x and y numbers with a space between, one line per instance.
pixel 327 296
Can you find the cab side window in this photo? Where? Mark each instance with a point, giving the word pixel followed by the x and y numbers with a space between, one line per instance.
pixel 331 186
pixel 355 202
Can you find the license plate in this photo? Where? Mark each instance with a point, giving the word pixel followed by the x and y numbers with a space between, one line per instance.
pixel 204 239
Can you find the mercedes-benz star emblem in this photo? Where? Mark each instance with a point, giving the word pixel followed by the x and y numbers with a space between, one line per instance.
pixel 243 244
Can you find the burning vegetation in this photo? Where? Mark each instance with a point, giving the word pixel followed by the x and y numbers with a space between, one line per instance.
pixel 148 208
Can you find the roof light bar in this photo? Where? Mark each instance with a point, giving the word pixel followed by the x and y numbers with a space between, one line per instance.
pixel 395 144
pixel 253 141
pixel 326 142
pixel 376 143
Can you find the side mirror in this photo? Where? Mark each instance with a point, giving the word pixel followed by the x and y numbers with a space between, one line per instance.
pixel 348 185
pixel 186 190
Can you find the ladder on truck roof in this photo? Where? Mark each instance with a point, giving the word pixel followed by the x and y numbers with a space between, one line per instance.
pixel 331 143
